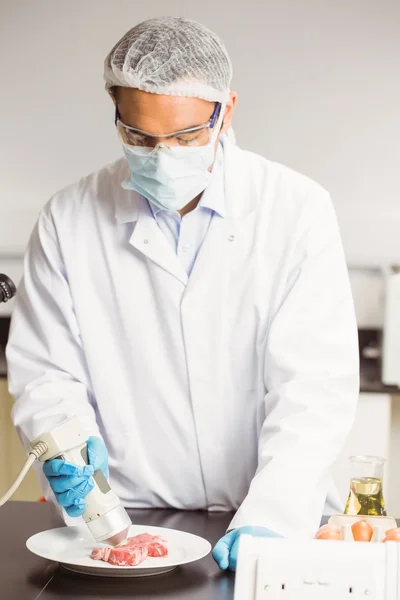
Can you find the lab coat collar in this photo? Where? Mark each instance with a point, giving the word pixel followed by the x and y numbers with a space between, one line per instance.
pixel 217 250
pixel 127 206
pixel 213 196
pixel 239 199
pixel 148 238
pixel 240 170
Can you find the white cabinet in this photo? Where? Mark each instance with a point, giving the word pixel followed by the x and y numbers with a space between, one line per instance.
pixel 370 435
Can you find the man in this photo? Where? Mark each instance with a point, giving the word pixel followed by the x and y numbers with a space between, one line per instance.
pixel 190 304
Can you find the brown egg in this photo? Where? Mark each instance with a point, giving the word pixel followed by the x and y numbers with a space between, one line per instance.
pixel 324 527
pixel 362 531
pixel 328 532
pixel 392 535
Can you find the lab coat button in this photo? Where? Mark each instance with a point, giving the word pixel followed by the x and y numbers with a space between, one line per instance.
pixel 146 241
pixel 231 238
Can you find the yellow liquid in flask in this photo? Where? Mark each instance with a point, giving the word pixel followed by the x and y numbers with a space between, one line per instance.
pixel 365 497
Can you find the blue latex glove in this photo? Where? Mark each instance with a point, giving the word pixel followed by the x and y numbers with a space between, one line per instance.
pixel 71 483
pixel 226 550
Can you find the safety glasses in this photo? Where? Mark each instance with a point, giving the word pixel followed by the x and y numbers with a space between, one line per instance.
pixel 200 135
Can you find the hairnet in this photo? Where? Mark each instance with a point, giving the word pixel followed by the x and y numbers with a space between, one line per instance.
pixel 171 56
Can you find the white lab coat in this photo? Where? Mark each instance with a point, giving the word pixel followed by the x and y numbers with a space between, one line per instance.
pixel 233 389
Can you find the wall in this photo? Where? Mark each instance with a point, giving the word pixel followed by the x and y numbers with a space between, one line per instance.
pixel 319 90
pixel 318 85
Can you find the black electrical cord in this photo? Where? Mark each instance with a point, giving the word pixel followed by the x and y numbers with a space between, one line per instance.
pixel 7 288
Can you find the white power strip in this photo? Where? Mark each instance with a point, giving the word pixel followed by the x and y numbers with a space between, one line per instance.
pixel 279 569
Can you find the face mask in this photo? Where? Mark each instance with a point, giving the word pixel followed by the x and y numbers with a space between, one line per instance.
pixel 170 177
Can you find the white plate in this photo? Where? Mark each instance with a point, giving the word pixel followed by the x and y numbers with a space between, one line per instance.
pixel 71 547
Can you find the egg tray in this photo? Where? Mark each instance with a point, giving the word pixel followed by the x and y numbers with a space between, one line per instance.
pixel 379 525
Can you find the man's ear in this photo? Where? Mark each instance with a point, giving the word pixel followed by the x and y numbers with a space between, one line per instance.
pixel 112 92
pixel 229 110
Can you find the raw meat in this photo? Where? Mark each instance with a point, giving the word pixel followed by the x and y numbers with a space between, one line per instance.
pixel 156 545
pixel 128 556
pixel 122 556
pixel 101 553
pixel 135 550
pixel 97 554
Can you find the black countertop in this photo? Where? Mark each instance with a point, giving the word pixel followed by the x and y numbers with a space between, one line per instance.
pixel 370 368
pixel 26 576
